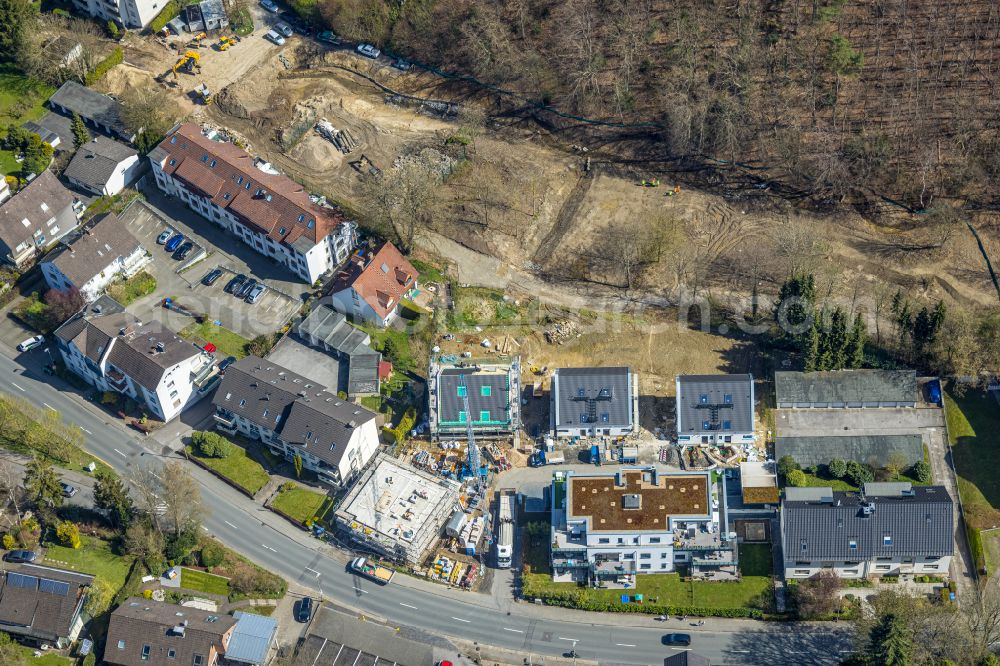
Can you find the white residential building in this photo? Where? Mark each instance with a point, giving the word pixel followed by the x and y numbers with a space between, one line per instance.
pixel 35 218
pixel 104 252
pixel 373 286
pixel 888 529
pixel 715 409
pixel 594 402
pixel 294 415
pixel 135 14
pixel 607 527
pixel 115 351
pixel 271 213
pixel 103 166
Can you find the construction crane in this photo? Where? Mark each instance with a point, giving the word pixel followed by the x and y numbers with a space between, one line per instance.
pixel 472 451
pixel 188 62
pixel 225 42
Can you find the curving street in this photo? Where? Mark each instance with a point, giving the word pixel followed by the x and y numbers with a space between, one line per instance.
pixel 420 607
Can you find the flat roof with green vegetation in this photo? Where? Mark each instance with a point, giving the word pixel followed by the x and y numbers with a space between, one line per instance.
pixel 237 467
pixel 228 343
pixel 302 504
pixel 200 581
pixel 94 556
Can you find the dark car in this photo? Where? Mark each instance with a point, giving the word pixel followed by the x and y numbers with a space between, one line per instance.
pixel 67 489
pixel 226 363
pixel 246 288
pixel 173 243
pixel 212 277
pixel 304 610
pixel 233 285
pixel 677 639
pixel 21 556
pixel 184 250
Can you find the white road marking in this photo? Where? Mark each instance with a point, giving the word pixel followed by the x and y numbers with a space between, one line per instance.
pixel 575 640
pixel 407 605
pixel 17 387
pixel 230 524
pixel 458 619
pixel 360 591
pixel 121 454
pixel 86 431
pixel 682 649
pixel 624 644
pixel 269 548
pixel 314 571
pixel 50 406
pixel 516 631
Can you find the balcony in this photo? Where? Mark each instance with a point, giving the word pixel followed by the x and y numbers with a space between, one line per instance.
pixel 225 421
pixel 117 380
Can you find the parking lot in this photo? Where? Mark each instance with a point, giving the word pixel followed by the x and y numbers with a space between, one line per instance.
pixel 146 220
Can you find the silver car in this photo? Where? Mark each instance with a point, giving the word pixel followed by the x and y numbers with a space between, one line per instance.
pixel 284 29
pixel 272 36
pixel 256 293
pixel 369 51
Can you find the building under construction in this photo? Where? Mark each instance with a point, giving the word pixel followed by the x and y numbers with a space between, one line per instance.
pixel 398 510
pixel 485 391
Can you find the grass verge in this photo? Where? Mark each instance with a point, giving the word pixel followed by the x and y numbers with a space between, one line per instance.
pixel 974 430
pixel 302 504
pixel 130 290
pixel 237 467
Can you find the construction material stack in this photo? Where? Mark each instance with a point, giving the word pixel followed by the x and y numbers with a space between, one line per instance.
pixel 342 139
pixel 376 572
pixel 506 513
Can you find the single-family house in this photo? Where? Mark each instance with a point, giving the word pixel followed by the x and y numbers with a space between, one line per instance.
pixel 103 166
pixel 715 409
pixel 35 218
pixel 593 402
pixel 373 286
pixel 144 631
pixel 40 604
pixel 102 252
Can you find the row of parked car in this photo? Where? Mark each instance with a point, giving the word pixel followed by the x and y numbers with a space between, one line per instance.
pixel 240 286
pixel 175 243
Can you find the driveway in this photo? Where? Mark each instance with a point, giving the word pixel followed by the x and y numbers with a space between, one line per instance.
pixel 147 219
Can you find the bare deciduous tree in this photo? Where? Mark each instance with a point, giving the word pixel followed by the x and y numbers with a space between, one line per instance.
pixel 182 498
pixel 401 201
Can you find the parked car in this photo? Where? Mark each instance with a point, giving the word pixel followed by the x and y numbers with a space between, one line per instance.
pixel 677 639
pixel 233 285
pixel 328 37
pixel 165 236
pixel 67 489
pixel 212 277
pixel 21 556
pixel 272 36
pixel 284 29
pixel 246 288
pixel 401 65
pixel 269 5
pixel 304 611
pixel 183 251
pixel 229 360
pixel 31 343
pixel 256 293
pixel 294 21
pixel 369 51
pixel 173 243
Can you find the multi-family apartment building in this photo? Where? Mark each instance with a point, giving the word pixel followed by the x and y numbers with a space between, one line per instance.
pixel 134 14
pixel 608 527
pixel 35 218
pixel 294 415
pixel 887 529
pixel 114 350
pixel 594 402
pixel 271 213
pixel 715 409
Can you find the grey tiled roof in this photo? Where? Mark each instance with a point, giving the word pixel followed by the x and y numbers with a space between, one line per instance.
pixel 861 448
pixel 88 339
pixel 43 198
pixel 91 104
pixel 42 602
pixel 140 622
pixel 716 399
pixel 323 425
pixel 95 162
pixel 916 526
pixel 94 250
pixel 574 387
pixel 488 392
pixel 849 386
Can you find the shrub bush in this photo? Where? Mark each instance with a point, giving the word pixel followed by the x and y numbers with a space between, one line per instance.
pixel 116 57
pixel 976 548
pixel 921 471
pixel 211 444
pixel 68 534
pixel 211 555
pixel 796 478
pixel 837 468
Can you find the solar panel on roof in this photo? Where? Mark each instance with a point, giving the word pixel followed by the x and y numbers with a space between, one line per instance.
pixel 55 587
pixel 22 581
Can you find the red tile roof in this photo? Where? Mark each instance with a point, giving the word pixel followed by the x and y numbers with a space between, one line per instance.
pixel 385 279
pixel 275 205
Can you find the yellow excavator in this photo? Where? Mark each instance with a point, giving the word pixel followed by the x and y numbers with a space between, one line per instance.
pixel 225 42
pixel 188 63
pixel 196 40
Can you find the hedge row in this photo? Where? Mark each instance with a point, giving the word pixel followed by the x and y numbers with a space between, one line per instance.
pixel 171 10
pixel 575 600
pixel 115 58
pixel 976 548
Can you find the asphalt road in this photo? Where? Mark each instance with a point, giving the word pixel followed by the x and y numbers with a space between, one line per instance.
pixel 423 606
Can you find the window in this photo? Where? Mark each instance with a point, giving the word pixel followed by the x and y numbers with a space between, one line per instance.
pixel 243 403
pixel 484 415
pixel 173 139
pixel 583 418
pixel 312 223
pixel 212 164
pixel 886 539
pixel 882 567
pixel 727 398
pixel 727 425
pixel 462 391
pixel 654 539
pixel 621 540
pixel 204 158
pixel 604 540
pixel 605 417
pixel 802 572
pixel 461 416
pixel 703 398
pixel 282 231
pixel 196 660
pixel 121 645
pixel 248 186
pixel 173 394
pixel 226 196
pixel 301 218
pixel 239 181
pixel 645 556
pixel 171 653
pixel 852 544
pixel 486 391
pixel 645 566
pixel 145 653
pixel 931 567
pixel 173 162
pixel 705 425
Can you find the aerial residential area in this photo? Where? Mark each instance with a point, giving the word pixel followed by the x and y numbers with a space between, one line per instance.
pixel 527 332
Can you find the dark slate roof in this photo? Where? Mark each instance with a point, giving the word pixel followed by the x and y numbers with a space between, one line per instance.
pixel 686 658
pixel 91 104
pixel 47 135
pixel 251 639
pixel 42 199
pixel 861 448
pixel 96 161
pixel 918 525
pixel 93 250
pixel 573 386
pixel 487 391
pixel 362 372
pixel 717 400
pixel 330 326
pixel 302 411
pixel 40 601
pixel 88 339
pixel 849 386
pixel 139 622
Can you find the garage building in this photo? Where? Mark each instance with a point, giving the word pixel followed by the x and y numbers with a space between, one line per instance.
pixel 846 389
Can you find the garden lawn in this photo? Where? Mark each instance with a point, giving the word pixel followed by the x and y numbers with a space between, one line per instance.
pixel 228 343
pixel 302 504
pixel 48 659
pixel 199 581
pixel 139 285
pixel 974 429
pixel 95 557
pixel 755 559
pixel 8 164
pixel 238 467
pixel 14 87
